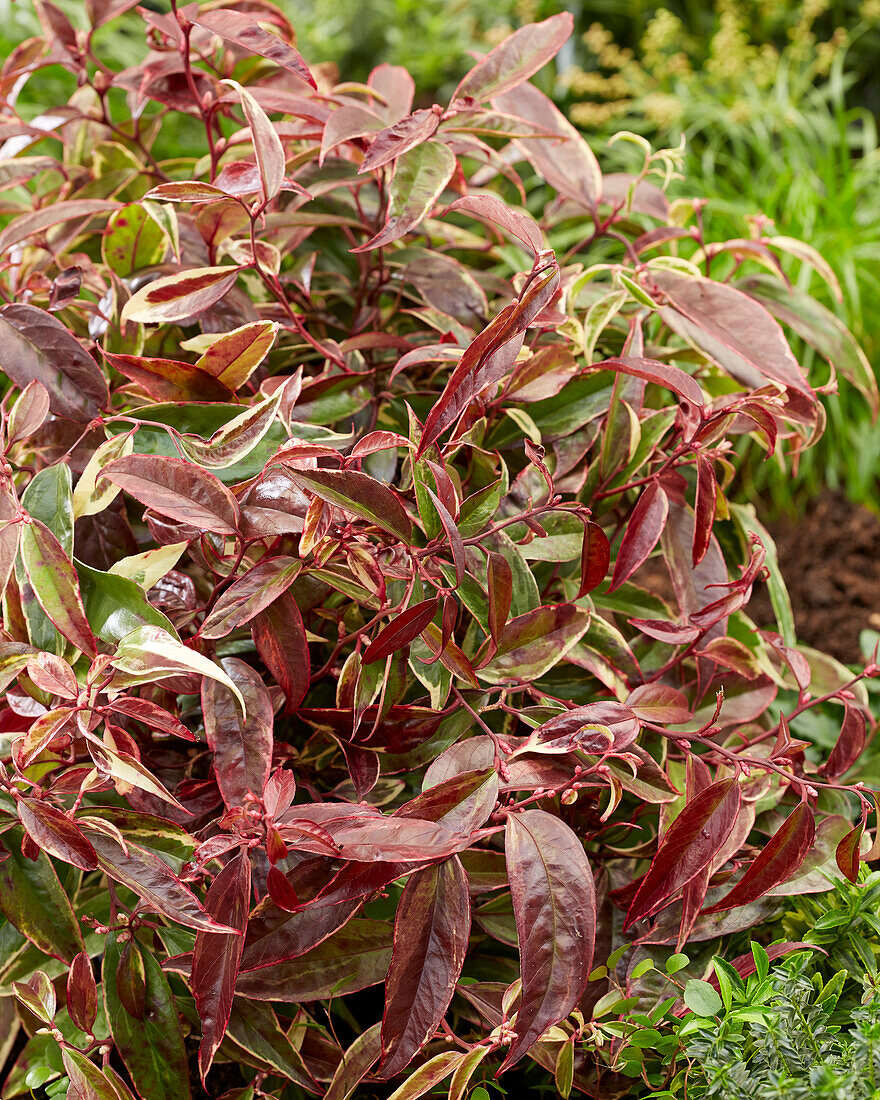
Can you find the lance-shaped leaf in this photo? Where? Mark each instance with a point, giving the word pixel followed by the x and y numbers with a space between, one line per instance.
pixel 267 144
pixel 429 1075
pixel 280 638
pixel 348 123
pixel 126 769
pixel 396 140
pixel 150 1045
pixel 28 413
pixel 56 585
pixel 176 489
pixel 431 931
pixel 849 745
pixel 595 558
pixel 216 957
pixel 82 993
pixel 460 803
pixel 568 164
pixel 531 644
pixel 847 855
pixel 492 209
pixel 642 533
pixel 241 29
pixel 275 935
pixel 88 499
pixel 356 1063
pixel 55 834
pixel 732 329
pixel 554 902
pixel 233 357
pixel 401 630
pixel 515 59
pixel 150 653
pixel 490 356
pixel 661 374
pixel 19 229
pixel 596 729
pixel 37 347
pixel 169 379
pixel 176 297
pixel 777 861
pixel 249 595
pixel 361 495
pixel 420 176
pixel 704 508
pixel 33 901
pixel 53 674
pixel 150 878
pixel 690 843
pixel 355 957
pixel 85 1078
pixel 254 1026
pixel 242 746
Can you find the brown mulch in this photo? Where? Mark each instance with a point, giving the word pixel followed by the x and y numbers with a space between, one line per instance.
pixel 830 560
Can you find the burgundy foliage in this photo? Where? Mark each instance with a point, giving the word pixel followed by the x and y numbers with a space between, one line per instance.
pixel 374 596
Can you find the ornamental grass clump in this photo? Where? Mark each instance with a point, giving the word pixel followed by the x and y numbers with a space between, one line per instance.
pixel 376 656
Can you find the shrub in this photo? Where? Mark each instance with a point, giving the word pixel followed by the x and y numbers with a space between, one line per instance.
pixel 374 604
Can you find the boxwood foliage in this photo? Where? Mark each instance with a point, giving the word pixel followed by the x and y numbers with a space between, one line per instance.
pixel 374 605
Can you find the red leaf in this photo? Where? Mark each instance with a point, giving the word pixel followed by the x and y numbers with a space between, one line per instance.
pixel 663 631
pixel 461 803
pixel 151 715
pixel 431 931
pixel 688 846
pixel 453 536
pixel 216 957
pixel 54 213
pixel 56 834
pixel 280 638
pixel 249 595
pixel 177 489
pixel 848 852
pixel 177 297
pixel 568 164
pixel 778 860
pixel 53 674
pixel 82 993
pixel 242 747
pixel 55 584
pixel 492 209
pixel 395 140
pixel 595 558
pixel 596 728
pixel 732 329
pixel 500 579
pixel 554 902
pixel 704 508
pixel 490 356
pixel 241 29
pixel 515 59
pixel 360 494
pixel 275 935
pixel 661 374
pixel 849 745
pixel 169 379
pixel 642 533
pixel 280 890
pixel 401 631
pixel 659 703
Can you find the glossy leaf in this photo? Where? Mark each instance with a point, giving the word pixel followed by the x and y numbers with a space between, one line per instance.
pixel 595 558
pixel 176 297
pixel 431 932
pixel 849 745
pixel 238 28
pixel 33 901
pixel 777 861
pixel 249 595
pixel 401 631
pixel 176 489
pixel 82 993
pixel 242 745
pixel 280 638
pixel 233 357
pixel 517 58
pixel 55 834
pixel 531 644
pixel 56 585
pixel 420 177
pixel 687 847
pixel 151 1046
pixel 642 533
pixel 359 494
pixel 554 903
pixel 216 957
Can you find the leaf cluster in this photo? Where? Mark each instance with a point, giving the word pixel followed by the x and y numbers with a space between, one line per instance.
pixel 374 589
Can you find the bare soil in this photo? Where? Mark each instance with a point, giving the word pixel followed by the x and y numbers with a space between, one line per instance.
pixel 830 560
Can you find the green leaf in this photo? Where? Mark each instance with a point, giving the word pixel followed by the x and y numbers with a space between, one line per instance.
pixel 34 901
pixel 254 1026
pixel 702 998
pixel 115 606
pixel 132 241
pixel 152 1047
pixel 49 499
